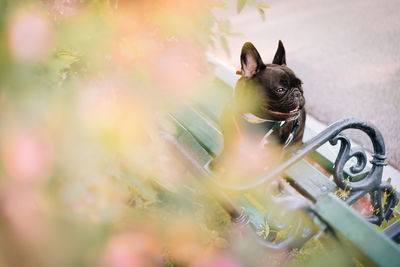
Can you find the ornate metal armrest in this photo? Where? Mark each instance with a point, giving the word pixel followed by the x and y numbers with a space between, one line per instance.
pixel 371 183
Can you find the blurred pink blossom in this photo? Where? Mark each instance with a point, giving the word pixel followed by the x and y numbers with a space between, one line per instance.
pixel 179 68
pixel 26 156
pixel 130 249
pixel 30 35
pixel 222 261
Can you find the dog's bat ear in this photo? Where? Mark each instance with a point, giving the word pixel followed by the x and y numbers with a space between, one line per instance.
pixel 250 60
pixel 280 55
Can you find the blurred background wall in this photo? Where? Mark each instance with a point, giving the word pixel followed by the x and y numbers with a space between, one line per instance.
pixel 347 54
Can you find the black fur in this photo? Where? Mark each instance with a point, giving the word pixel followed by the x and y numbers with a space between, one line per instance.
pixel 264 88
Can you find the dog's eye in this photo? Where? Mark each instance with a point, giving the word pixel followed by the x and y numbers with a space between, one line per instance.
pixel 280 90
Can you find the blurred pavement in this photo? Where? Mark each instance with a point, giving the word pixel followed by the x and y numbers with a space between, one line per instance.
pixel 347 53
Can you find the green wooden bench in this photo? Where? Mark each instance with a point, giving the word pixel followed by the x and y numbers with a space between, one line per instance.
pixel 198 139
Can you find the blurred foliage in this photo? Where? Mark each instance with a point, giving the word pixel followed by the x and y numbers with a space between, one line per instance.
pixel 85 178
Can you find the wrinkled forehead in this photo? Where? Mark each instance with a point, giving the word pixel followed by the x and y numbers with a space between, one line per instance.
pixel 277 73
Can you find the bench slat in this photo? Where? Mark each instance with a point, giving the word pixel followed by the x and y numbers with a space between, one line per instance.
pixel 195 150
pixel 205 131
pixel 357 230
pixel 309 181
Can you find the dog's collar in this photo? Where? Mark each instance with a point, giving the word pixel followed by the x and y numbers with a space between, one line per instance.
pixel 278 124
pixel 250 117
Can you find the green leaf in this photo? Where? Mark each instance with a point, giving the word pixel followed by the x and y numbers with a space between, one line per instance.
pixel 282 234
pixel 220 4
pixel 357 262
pixel 240 5
pixel 382 226
pixel 169 263
pixel 224 26
pixel 264 6
pixel 264 230
pixel 262 13
pixel 68 55
pixel 224 45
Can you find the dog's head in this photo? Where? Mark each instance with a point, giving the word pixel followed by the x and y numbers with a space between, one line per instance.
pixel 270 91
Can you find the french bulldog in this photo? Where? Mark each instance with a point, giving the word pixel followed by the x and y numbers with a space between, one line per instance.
pixel 268 105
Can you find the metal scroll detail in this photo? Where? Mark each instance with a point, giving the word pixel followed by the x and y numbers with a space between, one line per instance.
pixel 371 183
pixel 346 153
